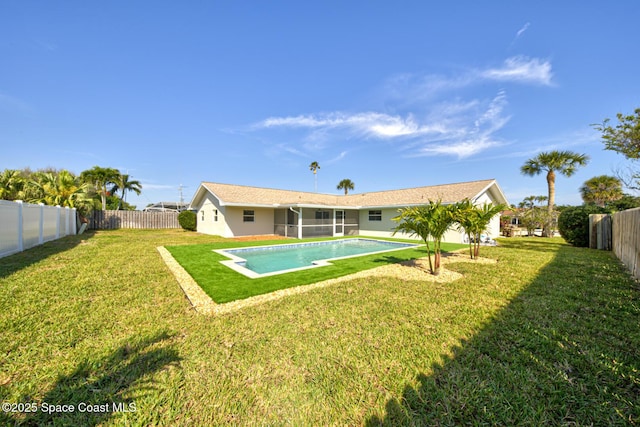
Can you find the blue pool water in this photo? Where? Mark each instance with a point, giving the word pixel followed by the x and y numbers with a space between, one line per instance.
pixel 281 258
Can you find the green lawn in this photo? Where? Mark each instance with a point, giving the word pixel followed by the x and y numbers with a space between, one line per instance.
pixel 547 336
pixel 223 284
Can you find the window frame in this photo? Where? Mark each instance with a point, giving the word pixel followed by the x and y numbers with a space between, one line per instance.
pixel 375 215
pixel 248 215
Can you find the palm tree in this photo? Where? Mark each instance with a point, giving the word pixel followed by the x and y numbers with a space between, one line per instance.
pixel 100 177
pixel 475 220
pixel 59 189
pixel 314 166
pixel 11 184
pixel 565 162
pixel 601 189
pixel 123 184
pixel 346 185
pixel 429 221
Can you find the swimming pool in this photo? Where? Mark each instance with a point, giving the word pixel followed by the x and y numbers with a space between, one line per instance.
pixel 261 261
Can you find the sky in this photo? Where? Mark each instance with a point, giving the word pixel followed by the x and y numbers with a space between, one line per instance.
pixel 388 94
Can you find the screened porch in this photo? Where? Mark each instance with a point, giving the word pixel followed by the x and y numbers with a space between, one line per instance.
pixel 315 222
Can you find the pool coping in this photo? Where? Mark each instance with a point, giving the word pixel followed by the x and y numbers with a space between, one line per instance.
pixel 235 261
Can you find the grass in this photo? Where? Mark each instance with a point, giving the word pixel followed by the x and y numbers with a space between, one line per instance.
pixel 223 284
pixel 547 336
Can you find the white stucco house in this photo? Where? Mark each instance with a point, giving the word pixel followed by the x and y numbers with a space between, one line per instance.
pixel 231 210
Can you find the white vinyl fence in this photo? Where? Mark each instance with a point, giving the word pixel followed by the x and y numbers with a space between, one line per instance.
pixel 23 225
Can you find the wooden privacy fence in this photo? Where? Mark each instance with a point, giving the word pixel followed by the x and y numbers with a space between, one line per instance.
pixel 626 239
pixel 110 220
pixel 600 233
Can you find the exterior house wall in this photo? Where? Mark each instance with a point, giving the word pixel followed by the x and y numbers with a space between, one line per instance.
pixel 385 227
pixel 206 216
pixel 382 228
pixel 493 230
pixel 263 221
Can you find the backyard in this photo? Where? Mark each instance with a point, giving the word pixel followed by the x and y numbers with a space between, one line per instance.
pixel 97 324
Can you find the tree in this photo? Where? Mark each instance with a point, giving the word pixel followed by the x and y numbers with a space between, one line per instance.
pixel 123 184
pixel 346 185
pixel 100 178
pixel 601 190
pixel 11 184
pixel 565 162
pixel 59 189
pixel 314 166
pixel 533 216
pixel 428 221
pixel 624 138
pixel 627 201
pixel 475 220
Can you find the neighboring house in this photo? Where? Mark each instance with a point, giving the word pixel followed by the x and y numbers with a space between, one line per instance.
pixel 166 207
pixel 234 210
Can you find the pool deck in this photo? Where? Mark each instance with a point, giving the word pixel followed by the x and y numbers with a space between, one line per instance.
pixel 412 270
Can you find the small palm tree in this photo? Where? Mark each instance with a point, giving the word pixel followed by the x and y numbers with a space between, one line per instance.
pixel 565 162
pixel 346 185
pixel 429 221
pixel 601 189
pixel 123 184
pixel 475 220
pixel 314 166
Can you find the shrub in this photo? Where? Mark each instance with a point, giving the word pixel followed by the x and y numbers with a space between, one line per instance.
pixel 573 223
pixel 188 220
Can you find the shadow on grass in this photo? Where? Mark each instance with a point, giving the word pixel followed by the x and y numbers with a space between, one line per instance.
pixel 565 351
pixel 99 388
pixel 16 262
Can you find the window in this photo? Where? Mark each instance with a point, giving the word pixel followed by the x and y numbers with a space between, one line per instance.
pixel 322 215
pixel 248 216
pixel 375 215
pixel 215 215
pixel 202 214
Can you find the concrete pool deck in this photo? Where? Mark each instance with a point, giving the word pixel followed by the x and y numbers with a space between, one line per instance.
pixel 410 270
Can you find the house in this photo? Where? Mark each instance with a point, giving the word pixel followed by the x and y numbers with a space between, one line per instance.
pixel 166 207
pixel 235 210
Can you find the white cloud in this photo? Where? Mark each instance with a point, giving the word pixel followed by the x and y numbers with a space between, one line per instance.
pixel 522 30
pixel 368 124
pixel 459 129
pixel 470 136
pixel 521 69
pixel 460 149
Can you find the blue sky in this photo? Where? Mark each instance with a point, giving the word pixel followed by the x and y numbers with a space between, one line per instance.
pixel 387 94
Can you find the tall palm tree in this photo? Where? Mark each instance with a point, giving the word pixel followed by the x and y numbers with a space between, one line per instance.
pixel 565 162
pixel 601 189
pixel 314 166
pixel 346 185
pixel 100 177
pixel 123 184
